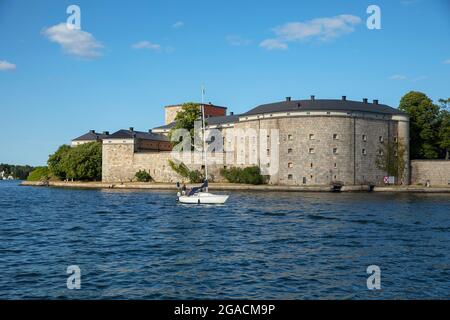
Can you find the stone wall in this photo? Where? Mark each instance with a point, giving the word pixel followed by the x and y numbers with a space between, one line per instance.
pixel 437 172
pixel 121 162
pixel 310 150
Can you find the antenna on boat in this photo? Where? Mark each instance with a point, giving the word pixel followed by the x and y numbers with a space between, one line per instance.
pixel 204 137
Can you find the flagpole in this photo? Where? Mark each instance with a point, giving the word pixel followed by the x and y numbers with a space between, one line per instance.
pixel 204 137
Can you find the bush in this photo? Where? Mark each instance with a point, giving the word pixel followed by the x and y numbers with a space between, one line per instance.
pixel 143 176
pixel 249 175
pixel 194 176
pixel 39 174
pixel 83 162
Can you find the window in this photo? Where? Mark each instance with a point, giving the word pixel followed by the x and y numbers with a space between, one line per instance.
pixel 364 137
pixel 268 165
pixel 290 150
pixel 395 139
pixel 311 165
pixel 304 180
pixel 290 165
pixel 380 139
pixel 395 153
pixel 335 151
pixel 311 150
pixel 311 136
pixel 335 177
pixel 335 165
pixel 364 151
pixel 268 152
pixel 335 136
pixel 290 176
pixel 311 177
pixel 380 152
pixel 290 137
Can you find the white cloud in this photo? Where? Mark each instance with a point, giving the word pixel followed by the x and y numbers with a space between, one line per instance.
pixel 178 24
pixel 146 45
pixel 447 61
pixel 323 29
pixel 398 77
pixel 74 41
pixel 273 44
pixel 419 78
pixel 235 40
pixel 401 77
pixel 6 66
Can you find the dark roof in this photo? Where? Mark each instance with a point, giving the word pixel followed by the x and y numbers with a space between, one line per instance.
pixel 322 104
pixel 222 119
pixel 166 126
pixel 206 104
pixel 90 136
pixel 128 134
pixel 209 121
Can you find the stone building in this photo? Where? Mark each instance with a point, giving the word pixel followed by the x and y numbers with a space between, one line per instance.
pixel 210 111
pixel 309 142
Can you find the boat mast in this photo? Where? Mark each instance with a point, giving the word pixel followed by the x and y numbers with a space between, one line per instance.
pixel 204 136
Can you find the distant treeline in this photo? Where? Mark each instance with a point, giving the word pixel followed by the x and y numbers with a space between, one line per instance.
pixel 18 172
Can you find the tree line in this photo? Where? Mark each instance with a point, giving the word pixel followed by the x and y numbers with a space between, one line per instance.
pixel 429 126
pixel 82 162
pixel 17 171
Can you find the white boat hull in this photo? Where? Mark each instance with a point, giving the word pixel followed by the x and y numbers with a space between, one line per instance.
pixel 204 198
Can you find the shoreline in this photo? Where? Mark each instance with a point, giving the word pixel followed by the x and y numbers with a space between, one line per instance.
pixel 238 187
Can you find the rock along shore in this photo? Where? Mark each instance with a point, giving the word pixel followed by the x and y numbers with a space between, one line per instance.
pixel 232 186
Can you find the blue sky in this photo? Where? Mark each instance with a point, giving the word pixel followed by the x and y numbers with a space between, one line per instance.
pixel 131 58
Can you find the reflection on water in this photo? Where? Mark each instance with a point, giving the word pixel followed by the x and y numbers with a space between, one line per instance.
pixel 142 244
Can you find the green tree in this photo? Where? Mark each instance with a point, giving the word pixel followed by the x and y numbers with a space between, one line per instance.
pixel 58 162
pixel 185 119
pixel 424 124
pixel 143 176
pixel 39 174
pixel 83 162
pixel 248 175
pixel 391 159
pixel 194 176
pixel 444 128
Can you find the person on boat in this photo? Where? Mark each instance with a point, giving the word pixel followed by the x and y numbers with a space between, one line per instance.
pixel 202 188
pixel 183 189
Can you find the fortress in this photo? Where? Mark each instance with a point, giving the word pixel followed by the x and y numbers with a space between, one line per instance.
pixel 314 142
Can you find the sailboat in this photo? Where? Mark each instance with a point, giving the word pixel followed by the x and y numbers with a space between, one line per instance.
pixel 200 195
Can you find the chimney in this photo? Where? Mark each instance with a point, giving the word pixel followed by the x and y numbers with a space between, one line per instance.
pixel 344 98
pixel 91 131
pixel 106 133
pixel 375 101
pixel 149 130
pixel 288 98
pixel 365 100
pixel 313 98
pixel 131 129
pixel 231 113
